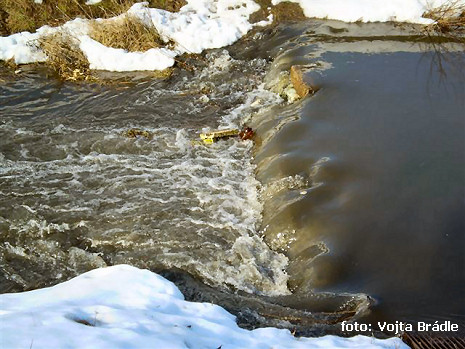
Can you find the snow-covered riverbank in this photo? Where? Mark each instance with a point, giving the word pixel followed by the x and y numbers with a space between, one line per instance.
pixel 201 25
pixel 198 26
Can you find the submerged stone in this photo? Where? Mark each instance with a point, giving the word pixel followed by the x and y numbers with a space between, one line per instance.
pixel 291 84
pixel 297 80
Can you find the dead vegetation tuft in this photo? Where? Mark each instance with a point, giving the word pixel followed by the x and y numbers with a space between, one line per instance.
pixel 287 11
pixel 168 5
pixel 26 15
pixel 282 12
pixel 70 63
pixel 65 57
pixel 449 18
pixel 128 33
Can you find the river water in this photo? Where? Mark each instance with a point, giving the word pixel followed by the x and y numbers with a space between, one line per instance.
pixel 349 204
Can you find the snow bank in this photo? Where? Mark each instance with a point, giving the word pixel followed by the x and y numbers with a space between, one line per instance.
pixel 23 48
pixel 199 25
pixel 202 24
pixel 126 307
pixel 112 59
pixel 369 10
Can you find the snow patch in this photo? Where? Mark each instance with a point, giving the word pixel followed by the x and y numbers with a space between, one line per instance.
pixel 126 307
pixel 98 56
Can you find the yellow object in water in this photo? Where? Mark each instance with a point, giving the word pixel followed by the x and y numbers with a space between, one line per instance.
pixel 213 136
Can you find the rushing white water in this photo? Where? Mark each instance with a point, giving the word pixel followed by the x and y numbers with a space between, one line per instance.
pixel 78 194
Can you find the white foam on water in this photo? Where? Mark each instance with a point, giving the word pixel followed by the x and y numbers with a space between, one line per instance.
pixel 194 207
pixel 117 191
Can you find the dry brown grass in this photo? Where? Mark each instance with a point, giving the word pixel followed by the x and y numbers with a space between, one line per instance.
pixel 168 5
pixel 25 15
pixel 65 57
pixel 282 12
pixel 70 63
pixel 128 33
pixel 287 11
pixel 449 18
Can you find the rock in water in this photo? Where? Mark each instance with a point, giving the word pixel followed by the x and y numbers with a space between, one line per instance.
pixel 135 133
pixel 301 87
